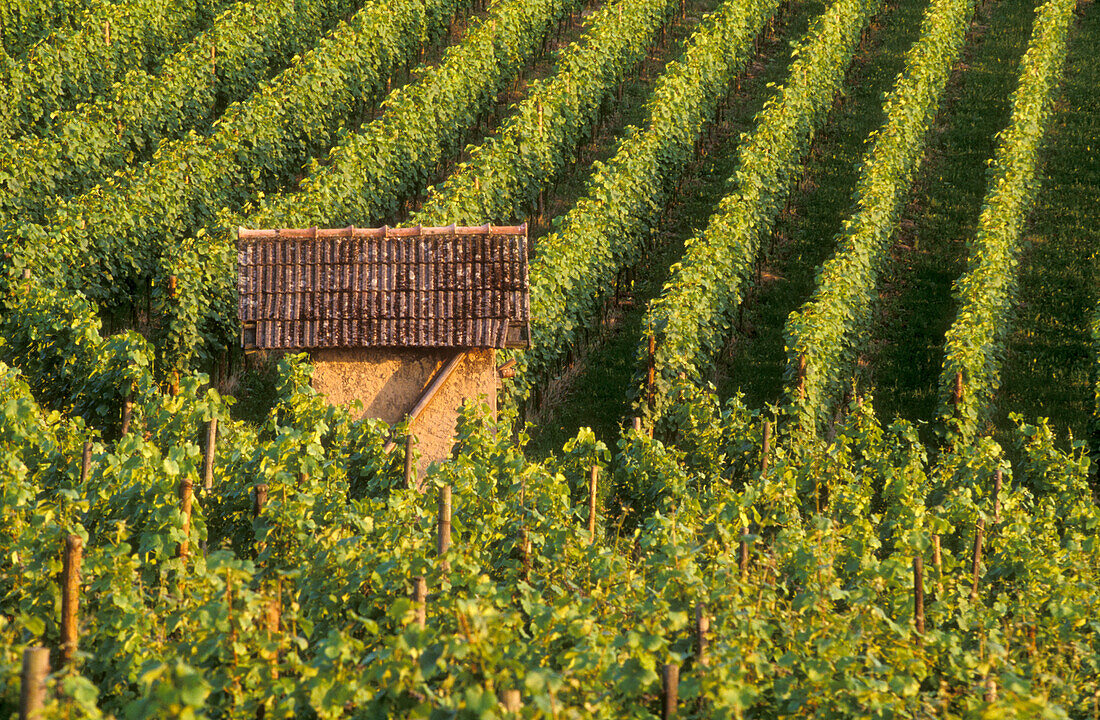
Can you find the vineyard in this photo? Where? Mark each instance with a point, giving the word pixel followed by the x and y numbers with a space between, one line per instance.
pixel 809 422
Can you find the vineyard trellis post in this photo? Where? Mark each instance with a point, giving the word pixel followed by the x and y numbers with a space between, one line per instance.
pixel 127 413
pixel 420 600
pixel 512 700
pixel 937 562
pixel 85 462
pixel 670 683
pixel 208 456
pixel 443 538
pixel 801 376
pixel 918 594
pixel 743 561
pixel 592 504
pixel 767 448
pixel 174 377
pixel 32 692
pixel 977 558
pixel 70 598
pixel 702 628
pixel 997 479
pixel 186 497
pixel 408 455
pixel 259 499
pixel 525 553
pixel 651 370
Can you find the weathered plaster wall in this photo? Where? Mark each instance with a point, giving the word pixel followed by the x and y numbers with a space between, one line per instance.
pixel 388 382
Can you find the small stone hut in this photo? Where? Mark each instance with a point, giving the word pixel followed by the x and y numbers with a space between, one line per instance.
pixel 405 320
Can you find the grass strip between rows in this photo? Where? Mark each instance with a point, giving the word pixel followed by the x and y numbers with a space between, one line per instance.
pixel 826 335
pixel 690 320
pixel 986 293
pixel 574 269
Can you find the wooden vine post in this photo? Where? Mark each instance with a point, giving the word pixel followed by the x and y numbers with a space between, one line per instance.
pixel 592 504
pixel 273 613
pixel 767 449
pixel 259 499
pixel 801 374
pixel 420 600
pixel 977 559
pixel 70 598
pixel 937 562
pixel 918 594
pixel 523 543
pixel 511 700
pixel 408 457
pixel 208 457
pixel 991 688
pixel 85 461
pixel 525 553
pixel 670 684
pixel 651 371
pixel 997 479
pixel 32 691
pixel 957 393
pixel 702 629
pixel 186 497
pixel 743 560
pixel 127 413
pixel 175 379
pixel 443 538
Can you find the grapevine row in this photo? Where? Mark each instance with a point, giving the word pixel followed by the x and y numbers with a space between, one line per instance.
pixel 368 175
pixel 574 268
pixel 825 336
pixel 25 22
pixel 107 241
pixel 305 606
pixel 221 65
pixel 70 67
pixel 502 177
pixel 986 292
pixel 1094 334
pixel 692 317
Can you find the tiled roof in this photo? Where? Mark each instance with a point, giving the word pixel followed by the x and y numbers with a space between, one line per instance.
pixel 383 287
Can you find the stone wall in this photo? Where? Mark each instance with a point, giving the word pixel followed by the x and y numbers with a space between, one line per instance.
pixel 388 382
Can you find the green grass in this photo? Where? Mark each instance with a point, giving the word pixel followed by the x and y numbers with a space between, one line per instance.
pixel 916 305
pixel 1047 367
pixel 599 394
pixel 572 183
pixel 596 392
pixel 804 237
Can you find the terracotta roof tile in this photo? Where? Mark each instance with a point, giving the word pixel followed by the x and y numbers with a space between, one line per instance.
pixel 383 287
